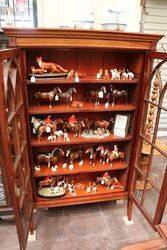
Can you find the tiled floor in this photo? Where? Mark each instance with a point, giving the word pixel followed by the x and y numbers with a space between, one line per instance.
pixel 85 227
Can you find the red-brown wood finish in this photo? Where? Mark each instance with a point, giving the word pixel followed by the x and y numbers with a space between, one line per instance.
pixel 15 165
pixel 87 51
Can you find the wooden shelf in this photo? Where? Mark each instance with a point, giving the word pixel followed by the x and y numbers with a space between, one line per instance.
pixel 88 107
pixel 85 80
pixel 82 197
pixel 79 140
pixel 85 168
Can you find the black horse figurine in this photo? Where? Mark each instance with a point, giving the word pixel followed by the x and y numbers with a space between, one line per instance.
pixel 120 95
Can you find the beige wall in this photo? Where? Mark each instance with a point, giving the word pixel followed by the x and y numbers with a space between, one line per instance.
pixel 52 13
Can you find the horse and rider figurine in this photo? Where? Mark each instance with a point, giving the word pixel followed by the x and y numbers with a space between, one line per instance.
pixel 46 126
pixel 108 156
pixel 109 181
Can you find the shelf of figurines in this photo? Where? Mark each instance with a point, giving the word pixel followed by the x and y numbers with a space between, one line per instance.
pixel 89 80
pixel 69 188
pixel 79 106
pixel 51 141
pixel 83 159
pixel 77 167
pixel 73 99
pixel 81 129
pixel 50 72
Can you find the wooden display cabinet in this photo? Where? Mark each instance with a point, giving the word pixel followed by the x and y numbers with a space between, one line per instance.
pixel 86 52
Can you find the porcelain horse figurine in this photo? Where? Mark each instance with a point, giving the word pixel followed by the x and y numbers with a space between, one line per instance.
pixel 50 159
pixel 72 155
pixel 118 95
pixel 92 155
pixel 103 152
pixel 45 126
pixel 115 155
pixel 96 95
pixel 66 96
pixel 46 96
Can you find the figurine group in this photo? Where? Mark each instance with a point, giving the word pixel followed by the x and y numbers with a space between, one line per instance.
pixel 113 95
pixel 96 95
pixel 59 128
pixel 115 74
pixel 109 182
pixel 61 184
pixel 50 68
pixel 54 96
pixel 98 154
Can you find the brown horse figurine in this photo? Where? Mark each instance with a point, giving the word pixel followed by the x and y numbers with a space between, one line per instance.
pixel 50 66
pixel 91 124
pixel 46 96
pixel 51 158
pixel 72 155
pixel 103 124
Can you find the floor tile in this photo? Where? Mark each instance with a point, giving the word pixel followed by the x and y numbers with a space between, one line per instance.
pixel 86 228
pixel 74 244
pixel 8 235
pixel 102 242
pixel 51 227
pixel 83 212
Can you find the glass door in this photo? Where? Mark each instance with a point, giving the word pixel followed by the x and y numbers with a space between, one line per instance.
pixel 149 178
pixel 14 152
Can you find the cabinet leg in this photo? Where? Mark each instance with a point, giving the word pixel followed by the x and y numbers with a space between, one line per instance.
pixel 129 209
pixel 31 226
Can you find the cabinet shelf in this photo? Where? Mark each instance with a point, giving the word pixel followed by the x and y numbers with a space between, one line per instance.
pixel 79 140
pixel 85 168
pixel 88 107
pixel 82 197
pixel 84 81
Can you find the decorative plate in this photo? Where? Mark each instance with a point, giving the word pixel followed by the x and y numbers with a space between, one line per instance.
pixel 47 192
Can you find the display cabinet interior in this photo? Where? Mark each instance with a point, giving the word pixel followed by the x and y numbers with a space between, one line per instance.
pixel 86 61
